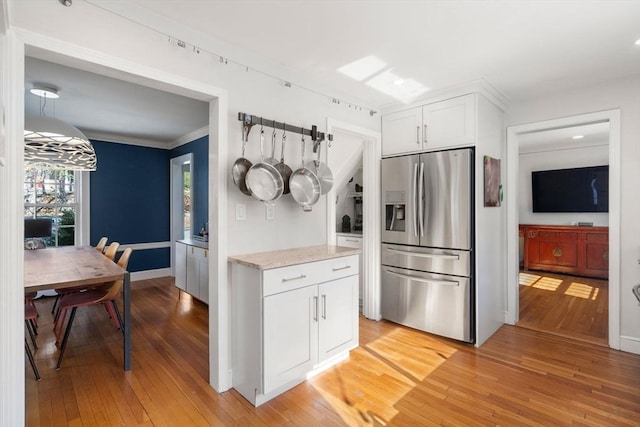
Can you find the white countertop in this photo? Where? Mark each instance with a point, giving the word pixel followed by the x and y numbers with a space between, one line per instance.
pixel 285 257
pixel 194 242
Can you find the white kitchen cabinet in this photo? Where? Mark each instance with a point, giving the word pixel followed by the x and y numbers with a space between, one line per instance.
pixel 192 270
pixel 442 124
pixel 181 266
pixel 353 241
pixel 402 132
pixel 291 320
pixel 290 336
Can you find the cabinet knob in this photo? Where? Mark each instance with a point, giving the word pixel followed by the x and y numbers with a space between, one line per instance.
pixel 605 256
pixel 557 252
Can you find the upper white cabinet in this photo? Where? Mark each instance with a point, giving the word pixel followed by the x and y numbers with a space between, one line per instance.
pixel 438 125
pixel 402 132
pixel 192 270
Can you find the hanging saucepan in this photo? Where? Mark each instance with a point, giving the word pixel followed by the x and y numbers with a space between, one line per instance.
pixel 263 179
pixel 322 171
pixel 304 185
pixel 242 165
pixel 282 167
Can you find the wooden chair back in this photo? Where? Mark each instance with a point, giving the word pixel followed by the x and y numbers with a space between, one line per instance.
pixel 116 285
pixel 111 251
pixel 102 243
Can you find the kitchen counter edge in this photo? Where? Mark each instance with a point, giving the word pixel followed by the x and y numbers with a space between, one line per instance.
pixel 192 242
pixel 285 257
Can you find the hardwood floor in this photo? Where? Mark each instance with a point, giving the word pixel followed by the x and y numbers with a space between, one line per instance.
pixel 569 306
pixel 398 376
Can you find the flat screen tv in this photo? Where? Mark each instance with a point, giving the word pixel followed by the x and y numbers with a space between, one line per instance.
pixel 583 189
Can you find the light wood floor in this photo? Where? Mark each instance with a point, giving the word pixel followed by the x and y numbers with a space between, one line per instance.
pixel 397 376
pixel 569 306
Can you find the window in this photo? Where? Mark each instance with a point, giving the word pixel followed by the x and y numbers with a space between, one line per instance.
pixel 52 194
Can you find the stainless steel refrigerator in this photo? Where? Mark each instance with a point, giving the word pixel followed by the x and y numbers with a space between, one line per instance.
pixel 427 242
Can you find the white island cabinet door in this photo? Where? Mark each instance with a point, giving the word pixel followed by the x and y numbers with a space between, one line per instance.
pixel 338 325
pixel 290 336
pixel 181 266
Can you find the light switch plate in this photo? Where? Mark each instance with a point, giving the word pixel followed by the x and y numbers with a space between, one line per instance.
pixel 241 212
pixel 270 212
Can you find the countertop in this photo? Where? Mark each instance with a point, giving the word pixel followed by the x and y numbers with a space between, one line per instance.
pixel 349 234
pixel 285 257
pixel 193 242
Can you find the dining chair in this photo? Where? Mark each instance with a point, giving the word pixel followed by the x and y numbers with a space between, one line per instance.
pixel 110 253
pixel 30 315
pixel 103 294
pixel 111 250
pixel 102 243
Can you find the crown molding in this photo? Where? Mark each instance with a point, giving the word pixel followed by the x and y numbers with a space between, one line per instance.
pixel 120 139
pixel 475 86
pixel 190 137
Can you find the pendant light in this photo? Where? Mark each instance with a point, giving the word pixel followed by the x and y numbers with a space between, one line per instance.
pixel 53 144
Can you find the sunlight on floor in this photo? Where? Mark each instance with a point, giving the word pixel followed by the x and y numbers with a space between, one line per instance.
pixel 405 357
pixel 581 290
pixel 547 283
pixel 527 279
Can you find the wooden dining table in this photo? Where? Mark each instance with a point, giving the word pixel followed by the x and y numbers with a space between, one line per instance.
pixel 69 266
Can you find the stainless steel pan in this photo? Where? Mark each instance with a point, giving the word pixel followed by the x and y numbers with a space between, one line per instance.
pixel 242 165
pixel 263 179
pixel 305 185
pixel 322 171
pixel 282 167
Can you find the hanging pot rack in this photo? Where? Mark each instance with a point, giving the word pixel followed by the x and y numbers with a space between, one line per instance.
pixel 249 120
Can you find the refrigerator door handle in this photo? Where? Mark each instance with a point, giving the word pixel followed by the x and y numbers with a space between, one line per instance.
pixel 421 200
pixel 423 255
pixel 415 199
pixel 423 280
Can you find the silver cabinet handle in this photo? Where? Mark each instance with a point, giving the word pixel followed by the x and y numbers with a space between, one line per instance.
pixel 418 134
pixel 423 280
pixel 352 240
pixel 289 279
pixel 415 197
pixel 424 134
pixel 315 310
pixel 421 199
pixel 341 268
pixel 324 307
pixel 421 255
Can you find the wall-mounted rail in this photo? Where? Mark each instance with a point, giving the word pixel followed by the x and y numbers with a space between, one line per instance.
pixel 249 120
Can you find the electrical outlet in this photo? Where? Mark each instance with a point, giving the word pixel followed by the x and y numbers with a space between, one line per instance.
pixel 241 212
pixel 270 212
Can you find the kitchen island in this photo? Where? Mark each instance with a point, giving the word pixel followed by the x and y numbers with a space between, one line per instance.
pixel 294 313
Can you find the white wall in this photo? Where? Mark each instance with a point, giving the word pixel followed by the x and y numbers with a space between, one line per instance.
pixel 557 159
pixel 623 94
pixel 94 30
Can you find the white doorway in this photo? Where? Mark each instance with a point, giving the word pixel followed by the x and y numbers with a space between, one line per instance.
pixel 181 201
pixel 514 135
pixel 365 146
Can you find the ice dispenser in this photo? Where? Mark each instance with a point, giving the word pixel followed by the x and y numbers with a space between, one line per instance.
pixel 395 211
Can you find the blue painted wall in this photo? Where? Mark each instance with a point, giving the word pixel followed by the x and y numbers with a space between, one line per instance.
pixel 130 200
pixel 130 197
pixel 200 178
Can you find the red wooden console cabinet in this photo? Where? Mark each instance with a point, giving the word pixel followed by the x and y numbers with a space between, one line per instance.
pixel 581 251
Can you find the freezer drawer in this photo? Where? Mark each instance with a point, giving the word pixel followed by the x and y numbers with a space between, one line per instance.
pixel 443 261
pixel 434 303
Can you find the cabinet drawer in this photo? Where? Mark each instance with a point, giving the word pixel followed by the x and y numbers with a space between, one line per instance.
pixel 567 236
pixel 598 237
pixel 350 242
pixel 297 276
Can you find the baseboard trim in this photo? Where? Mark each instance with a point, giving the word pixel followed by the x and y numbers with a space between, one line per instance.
pixel 150 274
pixel 630 344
